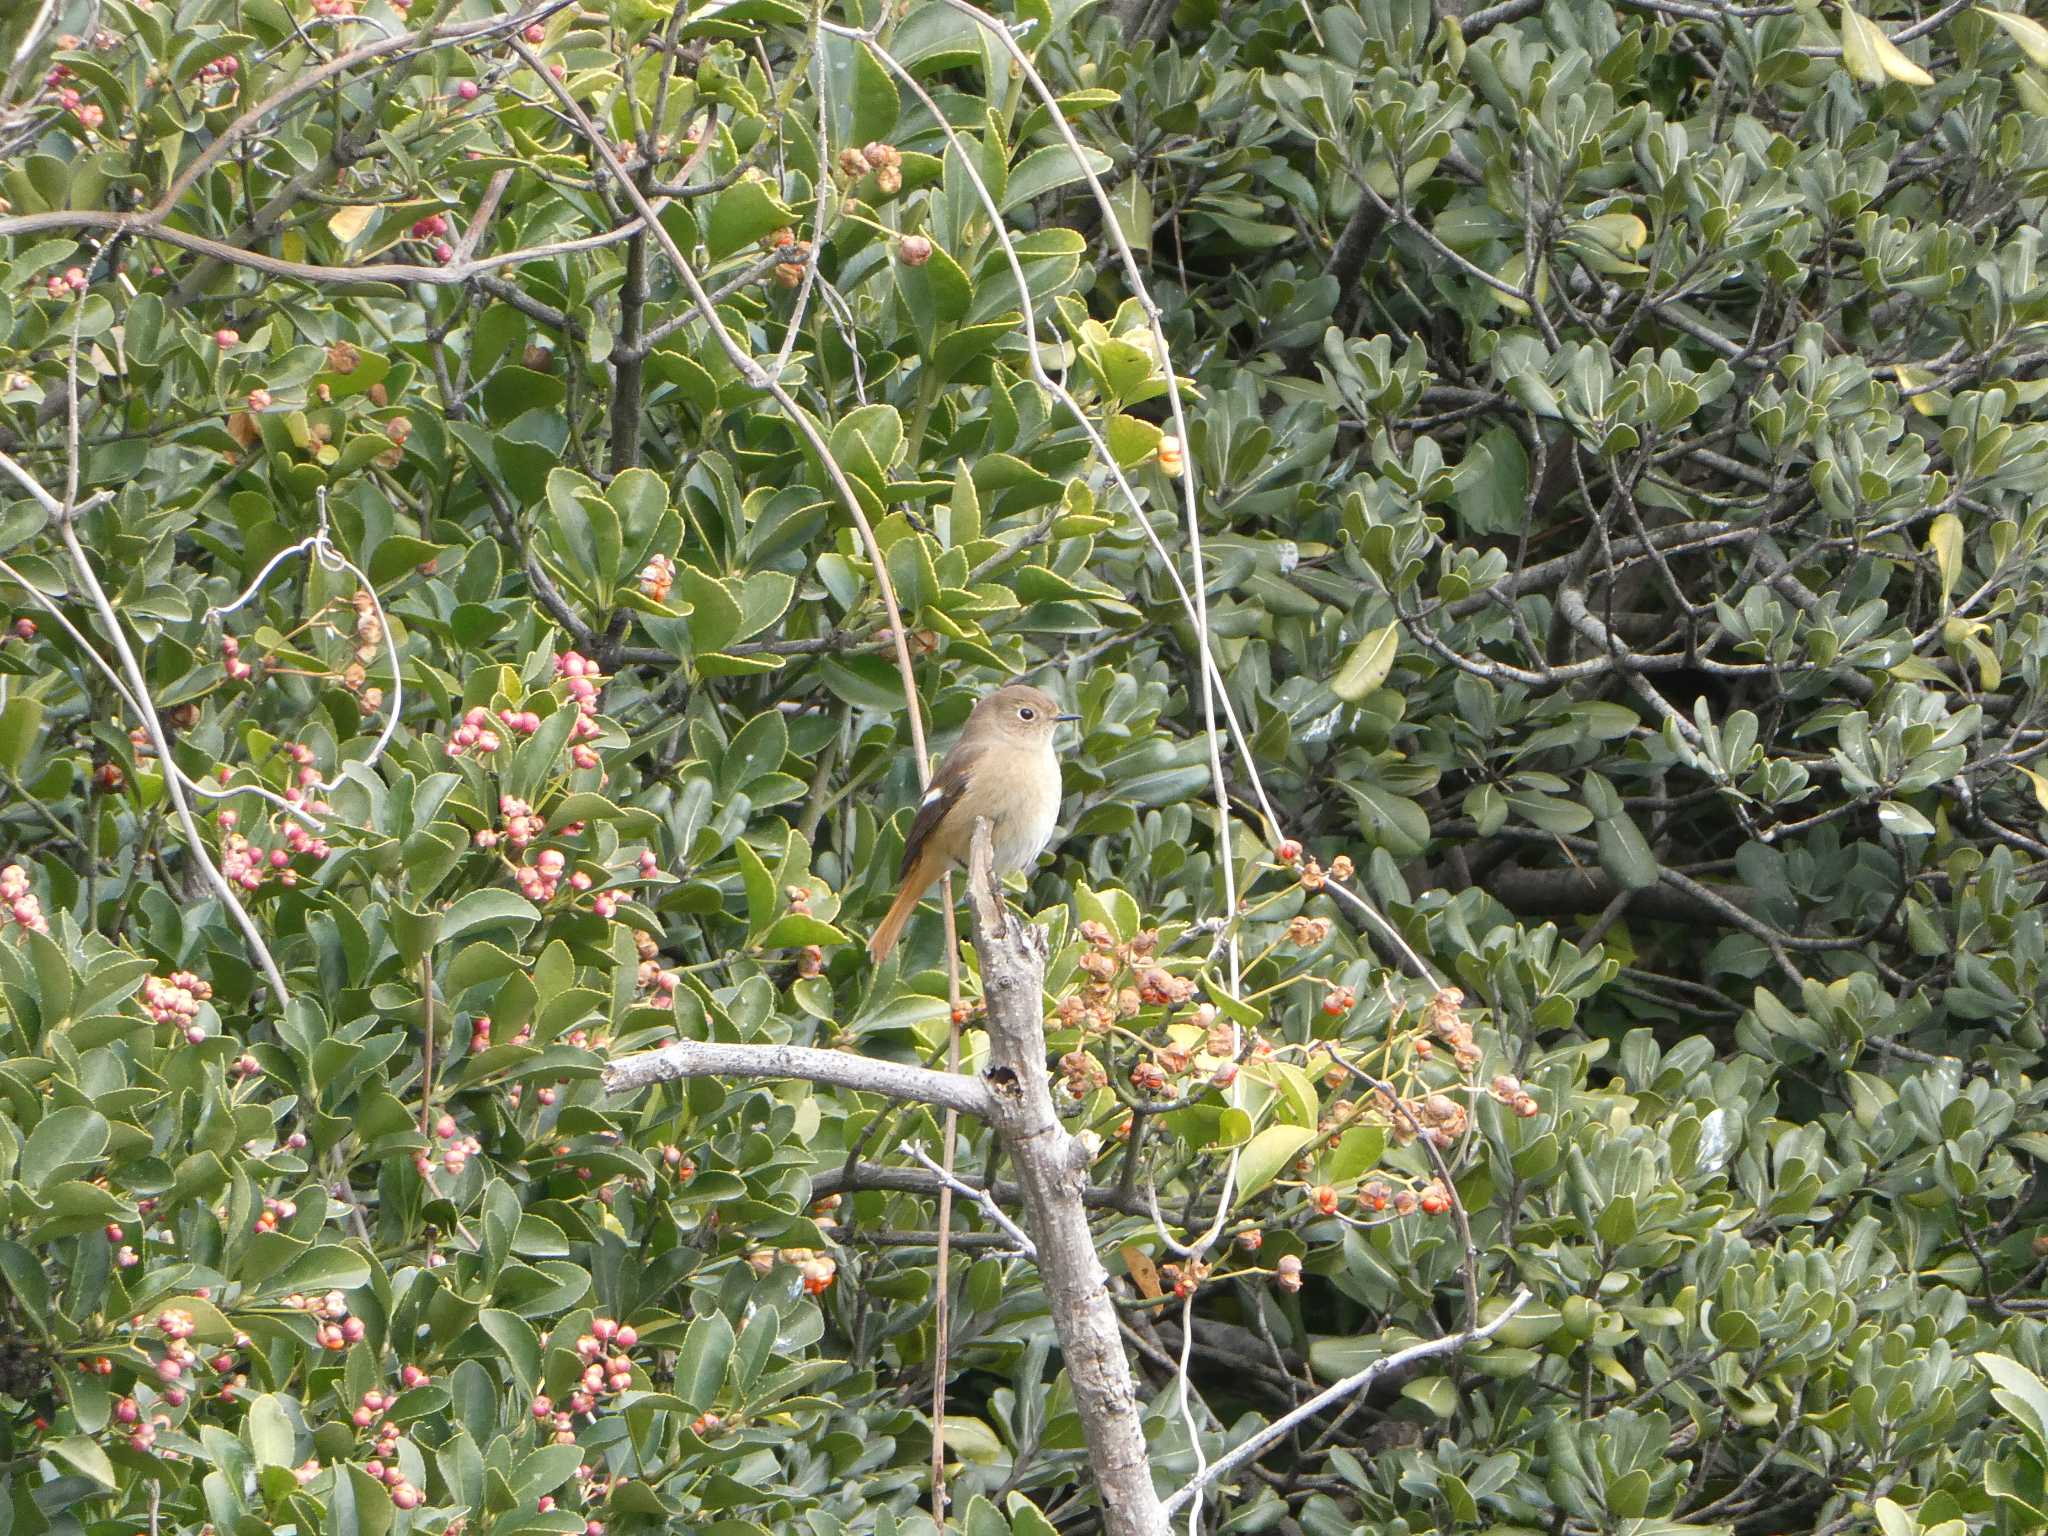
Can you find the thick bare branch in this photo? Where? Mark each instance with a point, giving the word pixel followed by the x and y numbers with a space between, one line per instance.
pixel 1052 1170
pixel 838 1069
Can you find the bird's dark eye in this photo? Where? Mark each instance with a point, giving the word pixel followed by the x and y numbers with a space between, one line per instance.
pixel 1027 713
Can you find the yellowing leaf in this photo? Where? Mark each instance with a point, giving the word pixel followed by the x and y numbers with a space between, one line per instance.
pixel 1144 1273
pixel 2028 33
pixel 1874 58
pixel 1622 233
pixel 1945 543
pixel 1368 664
pixel 346 223
pixel 1927 401
pixel 972 1440
pixel 2039 782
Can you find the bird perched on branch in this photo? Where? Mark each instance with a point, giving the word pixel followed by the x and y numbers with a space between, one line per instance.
pixel 1004 768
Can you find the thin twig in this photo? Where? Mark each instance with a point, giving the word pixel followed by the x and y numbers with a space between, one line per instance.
pixel 1249 1450
pixel 981 1197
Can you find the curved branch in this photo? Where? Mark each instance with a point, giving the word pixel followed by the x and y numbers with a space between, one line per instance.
pixel 1280 1428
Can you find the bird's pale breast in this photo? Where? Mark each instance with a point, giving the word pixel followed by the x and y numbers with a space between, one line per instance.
pixel 1025 826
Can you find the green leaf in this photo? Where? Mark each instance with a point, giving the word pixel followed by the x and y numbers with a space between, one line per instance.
pixel 876 104
pixel 702 1361
pixel 545 1470
pixel 1358 1153
pixel 1624 853
pixel 518 1343
pixel 21 722
pixel 2020 1393
pixel 1436 1393
pixel 1368 664
pixel 269 1432
pixel 65 1143
pixel 84 1456
pixel 1049 169
pixel 1268 1155
pixel 1390 821
pixel 1628 1496
pixel 742 214
pixel 488 908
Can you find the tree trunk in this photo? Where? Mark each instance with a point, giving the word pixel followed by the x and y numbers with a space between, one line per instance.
pixel 1052 1168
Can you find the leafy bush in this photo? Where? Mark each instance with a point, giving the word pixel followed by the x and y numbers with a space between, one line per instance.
pixel 495 496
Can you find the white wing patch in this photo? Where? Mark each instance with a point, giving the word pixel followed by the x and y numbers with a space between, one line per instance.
pixel 932 796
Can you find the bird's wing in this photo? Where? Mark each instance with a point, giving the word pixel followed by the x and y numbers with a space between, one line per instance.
pixel 946 788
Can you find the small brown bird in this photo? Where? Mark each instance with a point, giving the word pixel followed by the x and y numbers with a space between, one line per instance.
pixel 1003 768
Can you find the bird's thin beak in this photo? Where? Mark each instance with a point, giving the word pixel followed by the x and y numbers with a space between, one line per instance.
pixel 1058 719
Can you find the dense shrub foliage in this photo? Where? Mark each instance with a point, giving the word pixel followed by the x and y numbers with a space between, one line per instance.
pixel 462 461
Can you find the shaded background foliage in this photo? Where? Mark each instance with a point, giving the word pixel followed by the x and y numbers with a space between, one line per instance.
pixel 1615 438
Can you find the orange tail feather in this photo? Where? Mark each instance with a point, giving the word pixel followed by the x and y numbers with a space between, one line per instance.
pixel 915 884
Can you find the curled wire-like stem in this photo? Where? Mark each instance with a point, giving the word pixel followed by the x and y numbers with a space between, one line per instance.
pixel 63 514
pixel 320 545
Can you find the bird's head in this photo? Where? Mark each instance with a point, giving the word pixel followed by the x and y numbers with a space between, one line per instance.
pixel 1019 713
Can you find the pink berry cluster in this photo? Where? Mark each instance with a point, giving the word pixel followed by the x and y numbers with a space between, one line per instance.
pixel 89 115
pixel 302 755
pixel 25 628
pixel 23 909
pixel 68 283
pixel 521 825
pixel 336 1329
pixel 226 67
pixel 539 880
pixel 474 735
pixel 456 1151
pixel 435 227
pixel 242 861
pixel 231 659
pixel 180 1357
pixel 479 1033
pixel 275 1211
pixel 142 1432
pixel 334 7
pixel 175 1000
pixel 582 676
pixel 245 864
pixel 384 1449
pixel 607 1371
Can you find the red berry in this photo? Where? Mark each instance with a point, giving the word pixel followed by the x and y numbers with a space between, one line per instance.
pixel 1288 852
pixel 468 90
pixel 536 33
pixel 225 338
